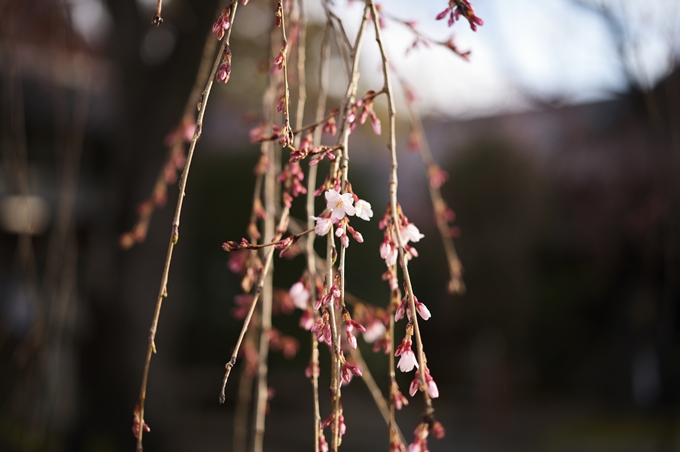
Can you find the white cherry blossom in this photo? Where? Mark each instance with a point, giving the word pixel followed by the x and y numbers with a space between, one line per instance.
pixel 323 225
pixel 411 233
pixel 363 210
pixel 300 295
pixel 339 204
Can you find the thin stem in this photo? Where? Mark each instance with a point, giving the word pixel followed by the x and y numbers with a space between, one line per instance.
pixel 174 235
pixel 138 231
pixel 258 291
pixel 456 284
pixel 343 141
pixel 311 255
pixel 393 184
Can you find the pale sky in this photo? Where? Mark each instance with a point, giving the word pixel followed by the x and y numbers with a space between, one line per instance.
pixel 551 48
pixel 547 48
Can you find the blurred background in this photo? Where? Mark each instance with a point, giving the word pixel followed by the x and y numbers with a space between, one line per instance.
pixel 561 138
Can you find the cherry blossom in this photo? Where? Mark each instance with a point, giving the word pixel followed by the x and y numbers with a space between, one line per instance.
pixel 374 331
pixel 323 225
pixel 408 359
pixel 300 295
pixel 339 204
pixel 411 233
pixel 363 210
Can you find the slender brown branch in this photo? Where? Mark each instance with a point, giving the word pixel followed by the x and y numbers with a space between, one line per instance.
pixel 311 255
pixel 456 284
pixel 343 141
pixel 157 197
pixel 393 184
pixel 174 235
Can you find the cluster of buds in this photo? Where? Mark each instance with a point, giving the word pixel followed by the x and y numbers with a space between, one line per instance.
pixel 333 295
pixel 292 176
pixel 224 71
pixel 347 370
pixel 459 8
pixel 330 127
pixel 280 59
pixel 342 427
pixel 230 246
pixel 222 24
pixel 398 399
pixel 364 107
pixel 285 135
pixel 432 388
pixel 322 329
pixel 421 309
pixel 389 248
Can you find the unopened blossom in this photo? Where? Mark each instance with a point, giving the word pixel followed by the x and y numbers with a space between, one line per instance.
pixel 356 234
pixel 222 23
pixel 422 310
pixel 323 445
pixel 389 252
pixel 300 295
pixel 347 370
pixel 397 397
pixel 330 127
pixel 323 225
pixel 432 388
pixel 411 233
pixel 363 210
pixel 350 325
pixel 137 421
pixel 339 204
pixel 407 360
pixel 419 443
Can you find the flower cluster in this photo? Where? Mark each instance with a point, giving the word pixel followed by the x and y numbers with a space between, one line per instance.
pixel 421 309
pixel 280 59
pixel 292 177
pixel 459 8
pixel 389 248
pixel 432 388
pixel 364 108
pixel 350 326
pixel 222 24
pixel 347 370
pixel 398 399
pixel 338 208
